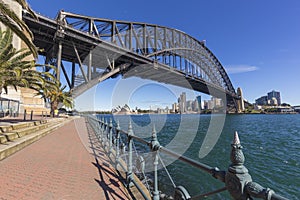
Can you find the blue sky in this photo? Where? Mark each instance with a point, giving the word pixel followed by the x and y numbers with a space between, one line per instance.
pixel 257 41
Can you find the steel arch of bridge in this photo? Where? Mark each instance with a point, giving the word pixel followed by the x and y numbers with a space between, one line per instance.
pixel 123 46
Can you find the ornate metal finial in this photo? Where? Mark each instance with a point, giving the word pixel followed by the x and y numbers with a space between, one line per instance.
pixel 118 126
pixel 154 142
pixel 237 175
pixel 130 131
pixel 237 156
pixel 236 139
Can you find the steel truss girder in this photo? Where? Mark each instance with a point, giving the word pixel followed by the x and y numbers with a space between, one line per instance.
pixel 135 43
pixel 149 39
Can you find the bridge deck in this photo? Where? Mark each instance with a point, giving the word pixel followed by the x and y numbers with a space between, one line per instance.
pixel 66 164
pixel 98 55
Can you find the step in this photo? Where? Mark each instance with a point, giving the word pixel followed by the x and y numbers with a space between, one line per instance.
pixel 3 139
pixel 4 129
pixel 29 130
pixel 10 136
pixel 22 125
pixel 12 132
pixel 19 143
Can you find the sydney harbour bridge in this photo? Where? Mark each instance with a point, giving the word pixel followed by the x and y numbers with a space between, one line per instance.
pixel 99 49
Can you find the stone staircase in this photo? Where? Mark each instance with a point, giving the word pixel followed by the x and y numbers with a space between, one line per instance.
pixel 14 137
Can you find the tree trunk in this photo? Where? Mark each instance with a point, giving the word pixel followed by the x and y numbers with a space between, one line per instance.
pixel 54 106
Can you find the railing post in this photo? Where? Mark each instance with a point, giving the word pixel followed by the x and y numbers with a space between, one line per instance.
pixel 154 145
pixel 110 132
pixel 98 124
pixel 123 148
pixel 239 182
pixel 237 175
pixel 129 176
pixel 118 129
pixel 105 131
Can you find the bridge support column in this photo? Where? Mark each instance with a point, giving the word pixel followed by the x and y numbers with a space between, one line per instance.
pixel 90 66
pixel 58 62
pixel 240 102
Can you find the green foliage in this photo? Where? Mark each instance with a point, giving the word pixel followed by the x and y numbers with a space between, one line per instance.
pixel 13 22
pixel 57 94
pixel 15 70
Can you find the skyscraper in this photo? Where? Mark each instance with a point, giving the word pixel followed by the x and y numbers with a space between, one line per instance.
pixel 198 98
pixel 182 103
pixel 276 95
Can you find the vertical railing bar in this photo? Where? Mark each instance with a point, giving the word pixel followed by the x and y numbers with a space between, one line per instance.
pixel 154 148
pixel 117 144
pixel 129 176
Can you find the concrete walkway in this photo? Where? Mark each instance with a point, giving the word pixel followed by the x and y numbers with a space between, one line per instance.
pixel 66 164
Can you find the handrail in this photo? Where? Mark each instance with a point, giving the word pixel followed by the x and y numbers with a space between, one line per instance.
pixel 237 180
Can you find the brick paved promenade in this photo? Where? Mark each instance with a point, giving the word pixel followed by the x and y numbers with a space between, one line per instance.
pixel 66 164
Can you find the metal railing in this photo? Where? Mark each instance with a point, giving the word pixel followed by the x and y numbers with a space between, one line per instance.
pixel 237 180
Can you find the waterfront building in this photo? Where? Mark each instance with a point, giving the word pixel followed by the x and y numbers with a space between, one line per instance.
pixel 216 102
pixel 182 103
pixel 297 109
pixel 276 95
pixel 210 104
pixel 195 106
pixel 262 100
pixel 273 102
pixel 205 105
pixel 272 98
pixel 189 105
pixel 198 98
pixel 125 110
pixel 174 108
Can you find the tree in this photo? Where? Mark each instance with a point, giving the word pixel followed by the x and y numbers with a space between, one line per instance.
pixel 13 22
pixel 16 71
pixel 57 95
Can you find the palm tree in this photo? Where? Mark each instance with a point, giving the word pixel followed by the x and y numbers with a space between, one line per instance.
pixel 57 95
pixel 16 71
pixel 12 21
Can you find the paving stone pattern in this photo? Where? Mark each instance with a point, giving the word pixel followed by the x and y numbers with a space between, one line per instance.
pixel 65 164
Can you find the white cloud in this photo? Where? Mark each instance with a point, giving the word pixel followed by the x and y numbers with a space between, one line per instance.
pixel 236 69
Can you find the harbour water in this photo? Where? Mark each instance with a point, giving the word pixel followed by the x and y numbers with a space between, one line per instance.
pixel 271 148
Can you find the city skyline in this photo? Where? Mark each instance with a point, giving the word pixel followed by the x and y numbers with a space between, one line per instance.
pixel 257 42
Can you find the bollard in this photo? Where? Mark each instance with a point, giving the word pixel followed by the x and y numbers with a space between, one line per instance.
pixel 155 146
pixel 31 115
pixel 129 176
pixel 25 115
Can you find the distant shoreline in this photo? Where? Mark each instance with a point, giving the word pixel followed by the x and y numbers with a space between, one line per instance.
pixel 260 113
